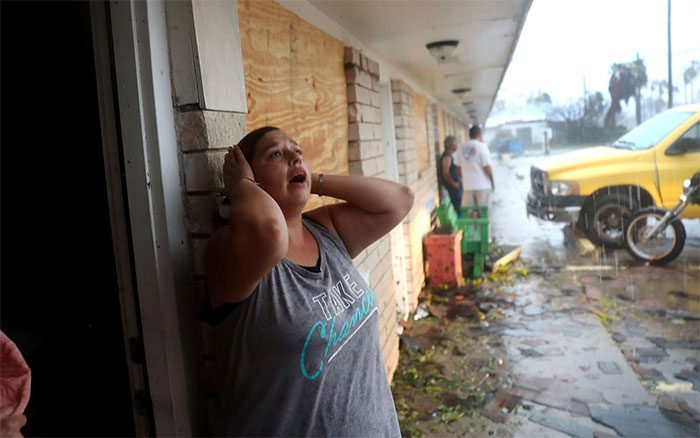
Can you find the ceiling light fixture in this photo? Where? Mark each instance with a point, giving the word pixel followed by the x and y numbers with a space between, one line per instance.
pixel 461 90
pixel 441 50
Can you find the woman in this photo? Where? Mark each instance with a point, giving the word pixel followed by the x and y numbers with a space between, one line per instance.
pixel 302 353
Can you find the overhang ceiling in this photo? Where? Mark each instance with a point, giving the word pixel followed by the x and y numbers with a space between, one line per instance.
pixel 398 30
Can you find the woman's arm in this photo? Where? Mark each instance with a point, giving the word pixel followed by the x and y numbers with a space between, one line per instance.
pixel 238 255
pixel 446 173
pixel 373 207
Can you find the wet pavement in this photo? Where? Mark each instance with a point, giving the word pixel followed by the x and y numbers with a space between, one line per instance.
pixel 621 342
pixel 566 341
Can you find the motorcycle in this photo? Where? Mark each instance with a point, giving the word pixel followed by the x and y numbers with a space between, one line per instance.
pixel 656 236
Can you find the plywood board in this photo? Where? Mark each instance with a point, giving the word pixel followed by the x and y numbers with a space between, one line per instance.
pixel 295 80
pixel 420 127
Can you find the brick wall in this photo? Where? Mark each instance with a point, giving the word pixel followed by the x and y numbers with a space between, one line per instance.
pixel 203 138
pixel 424 185
pixel 366 158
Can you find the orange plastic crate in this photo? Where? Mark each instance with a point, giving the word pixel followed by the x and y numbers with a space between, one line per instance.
pixel 443 259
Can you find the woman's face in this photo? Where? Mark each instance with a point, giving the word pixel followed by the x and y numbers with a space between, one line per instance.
pixel 280 169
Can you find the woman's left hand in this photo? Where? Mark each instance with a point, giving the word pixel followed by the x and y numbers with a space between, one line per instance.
pixel 236 168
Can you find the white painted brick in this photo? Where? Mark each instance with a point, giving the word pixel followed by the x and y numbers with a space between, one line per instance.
pixel 358 112
pixel 201 130
pixel 375 83
pixel 399 85
pixel 377 132
pixel 404 132
pixel 401 144
pixel 354 75
pixel 355 168
pixel 200 211
pixel 372 258
pixel 401 157
pixel 369 166
pixel 352 56
pixel 365 149
pixel 358 94
pixel 403 109
pixel 224 128
pixel 353 115
pixel 375 115
pixel 373 68
pixel 365 80
pixel 371 149
pixel 354 151
pixel 374 99
pixel 371 114
pixel 380 165
pixel 360 131
pixel 203 171
pixel 363 62
pixel 191 131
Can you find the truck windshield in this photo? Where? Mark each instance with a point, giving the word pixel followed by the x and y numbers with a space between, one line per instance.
pixel 652 131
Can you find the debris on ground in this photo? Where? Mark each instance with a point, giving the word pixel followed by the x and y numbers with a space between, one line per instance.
pixel 451 364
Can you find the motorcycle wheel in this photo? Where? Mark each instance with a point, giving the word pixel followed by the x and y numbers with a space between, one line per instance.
pixel 667 244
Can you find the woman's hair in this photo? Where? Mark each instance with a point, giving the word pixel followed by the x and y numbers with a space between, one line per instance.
pixel 450 140
pixel 248 143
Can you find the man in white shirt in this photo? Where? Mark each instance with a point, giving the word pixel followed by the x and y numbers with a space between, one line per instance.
pixel 477 177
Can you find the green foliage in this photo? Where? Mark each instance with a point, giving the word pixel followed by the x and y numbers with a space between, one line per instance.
pixel 449 414
pixel 636 68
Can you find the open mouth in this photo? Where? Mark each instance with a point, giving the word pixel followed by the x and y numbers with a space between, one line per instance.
pixel 298 179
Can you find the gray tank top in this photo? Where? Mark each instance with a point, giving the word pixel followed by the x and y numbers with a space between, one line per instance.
pixel 302 356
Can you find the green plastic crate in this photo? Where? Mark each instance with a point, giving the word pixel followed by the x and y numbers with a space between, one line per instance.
pixel 475 231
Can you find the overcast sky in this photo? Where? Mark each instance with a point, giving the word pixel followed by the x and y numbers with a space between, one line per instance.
pixel 566 41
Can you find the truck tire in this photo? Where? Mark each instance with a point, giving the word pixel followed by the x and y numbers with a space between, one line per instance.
pixel 603 218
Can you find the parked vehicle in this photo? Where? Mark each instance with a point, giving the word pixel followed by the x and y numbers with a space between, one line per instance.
pixel 598 188
pixel 657 236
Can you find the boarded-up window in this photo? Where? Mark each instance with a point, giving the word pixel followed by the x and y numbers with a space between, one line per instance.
pixel 441 129
pixel 295 80
pixel 420 127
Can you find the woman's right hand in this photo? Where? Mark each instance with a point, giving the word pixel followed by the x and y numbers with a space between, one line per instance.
pixel 236 167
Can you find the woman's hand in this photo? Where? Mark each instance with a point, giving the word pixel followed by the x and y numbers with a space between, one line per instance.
pixel 236 167
pixel 254 241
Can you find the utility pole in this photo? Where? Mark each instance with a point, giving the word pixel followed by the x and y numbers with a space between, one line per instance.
pixel 670 79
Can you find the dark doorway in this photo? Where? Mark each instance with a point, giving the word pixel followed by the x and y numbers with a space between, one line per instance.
pixel 59 295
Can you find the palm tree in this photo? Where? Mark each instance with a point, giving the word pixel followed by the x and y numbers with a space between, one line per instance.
pixel 689 76
pixel 626 81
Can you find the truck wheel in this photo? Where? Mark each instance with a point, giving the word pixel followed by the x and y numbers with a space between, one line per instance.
pixel 604 217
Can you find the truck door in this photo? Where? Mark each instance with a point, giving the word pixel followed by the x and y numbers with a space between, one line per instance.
pixel 678 162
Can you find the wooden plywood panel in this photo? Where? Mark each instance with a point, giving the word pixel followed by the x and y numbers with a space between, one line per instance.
pixel 420 127
pixel 441 128
pixel 295 80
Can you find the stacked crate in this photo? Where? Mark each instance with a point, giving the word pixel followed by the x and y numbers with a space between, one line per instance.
pixel 443 259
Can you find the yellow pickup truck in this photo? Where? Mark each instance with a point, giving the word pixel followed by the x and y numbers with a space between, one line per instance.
pixel 597 188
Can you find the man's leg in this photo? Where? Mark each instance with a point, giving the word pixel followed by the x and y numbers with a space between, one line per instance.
pixel 474 198
pixel 456 198
pixel 482 197
pixel 468 198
